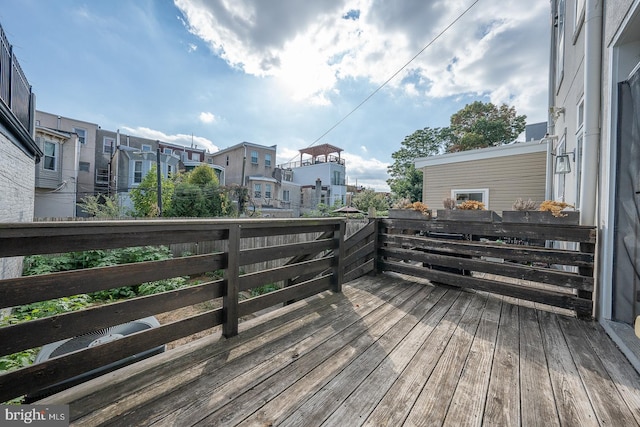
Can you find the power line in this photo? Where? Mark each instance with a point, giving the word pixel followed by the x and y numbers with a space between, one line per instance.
pixel 395 74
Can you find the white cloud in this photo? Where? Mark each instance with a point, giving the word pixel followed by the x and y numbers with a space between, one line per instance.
pixel 364 148
pixel 497 50
pixel 182 139
pixel 207 117
pixel 369 173
pixel 191 47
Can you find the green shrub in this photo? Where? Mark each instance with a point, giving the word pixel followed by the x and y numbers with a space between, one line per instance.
pixel 41 309
pixel 265 289
pixel 165 285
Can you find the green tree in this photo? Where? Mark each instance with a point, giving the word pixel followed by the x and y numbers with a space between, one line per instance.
pixel 145 195
pixel 102 206
pixel 406 181
pixel 202 175
pixel 480 125
pixel 198 194
pixel 369 198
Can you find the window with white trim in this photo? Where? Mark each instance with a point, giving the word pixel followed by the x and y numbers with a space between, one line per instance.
pixel 82 135
pixel 102 176
pixel 267 159
pixel 50 155
pixel 146 147
pixel 286 196
pixel 476 194
pixel 137 172
pixel 84 166
pixel 257 190
pixel 267 191
pixel 167 151
pixel 108 144
pixel 254 157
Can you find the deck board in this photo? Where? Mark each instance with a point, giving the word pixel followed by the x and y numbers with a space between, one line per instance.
pixel 503 405
pixel 536 393
pixel 387 351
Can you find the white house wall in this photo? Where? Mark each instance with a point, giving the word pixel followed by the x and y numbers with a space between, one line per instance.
pixel 17 181
pixel 620 55
pixel 307 175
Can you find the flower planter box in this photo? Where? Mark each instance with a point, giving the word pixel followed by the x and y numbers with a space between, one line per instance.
pixel 409 214
pixel 468 215
pixel 541 217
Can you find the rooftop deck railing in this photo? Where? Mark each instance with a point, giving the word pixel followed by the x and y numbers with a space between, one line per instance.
pixel 309 162
pixel 15 90
pixel 324 262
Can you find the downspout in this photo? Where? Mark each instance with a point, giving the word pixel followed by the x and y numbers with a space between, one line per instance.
pixel 548 191
pixel 591 143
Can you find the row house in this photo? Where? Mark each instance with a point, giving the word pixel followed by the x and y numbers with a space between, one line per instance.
pixel 252 166
pixel 85 183
pixel 108 162
pixel 123 160
pixel 56 176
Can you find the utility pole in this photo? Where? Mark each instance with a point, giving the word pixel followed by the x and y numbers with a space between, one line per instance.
pixel 159 176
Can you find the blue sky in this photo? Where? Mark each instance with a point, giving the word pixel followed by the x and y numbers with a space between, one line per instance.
pixel 280 72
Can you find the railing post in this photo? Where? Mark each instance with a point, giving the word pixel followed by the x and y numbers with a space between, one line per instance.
pixel 376 244
pixel 378 261
pixel 338 260
pixel 232 284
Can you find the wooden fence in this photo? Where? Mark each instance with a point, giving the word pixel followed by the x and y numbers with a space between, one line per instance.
pixel 504 258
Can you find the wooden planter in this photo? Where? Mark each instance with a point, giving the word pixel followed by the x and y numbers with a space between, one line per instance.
pixel 541 217
pixel 409 214
pixel 468 215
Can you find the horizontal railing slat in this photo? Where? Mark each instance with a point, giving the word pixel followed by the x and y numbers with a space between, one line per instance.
pixel 52 371
pixel 361 255
pixel 277 274
pixel 366 232
pixel 362 269
pixel 511 252
pixel 252 256
pixel 29 289
pixel 38 332
pixel 572 233
pixel 543 275
pixel 282 228
pixel 295 292
pixel 563 300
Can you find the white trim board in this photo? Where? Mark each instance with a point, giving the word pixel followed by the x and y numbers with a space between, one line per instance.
pixel 514 149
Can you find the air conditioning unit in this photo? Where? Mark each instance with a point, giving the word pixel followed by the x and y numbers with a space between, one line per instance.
pixel 93 339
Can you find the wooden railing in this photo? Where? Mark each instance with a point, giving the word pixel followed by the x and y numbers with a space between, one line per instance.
pixel 323 269
pixel 508 259
pixel 513 259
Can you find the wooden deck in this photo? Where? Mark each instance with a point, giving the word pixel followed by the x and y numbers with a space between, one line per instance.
pixel 385 352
